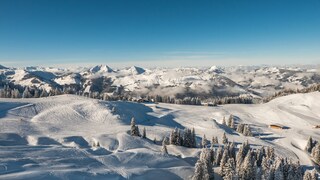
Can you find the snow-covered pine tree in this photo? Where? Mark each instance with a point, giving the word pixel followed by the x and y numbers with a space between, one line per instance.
pixel 315 153
pixel 44 93
pixel 206 158
pixel 164 149
pixel 187 138
pixel 240 128
pixel 193 139
pixel 219 154
pixel 307 176
pixel 204 141
pixel 172 137
pixel 229 170
pixel 134 128
pixel 199 173
pixel 216 140
pixel 232 150
pixel 224 121
pixel 247 130
pixel 26 93
pixel 224 160
pixel 309 145
pixel 267 169
pixel 270 153
pixel 278 169
pixel 224 139
pixel 247 171
pixel 230 121
pixel 232 126
pixel 144 133
pixel 260 154
pixel 258 172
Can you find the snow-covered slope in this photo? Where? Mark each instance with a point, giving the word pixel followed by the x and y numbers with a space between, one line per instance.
pixel 51 138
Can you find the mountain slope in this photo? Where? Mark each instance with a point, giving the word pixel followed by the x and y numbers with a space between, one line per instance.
pixel 52 137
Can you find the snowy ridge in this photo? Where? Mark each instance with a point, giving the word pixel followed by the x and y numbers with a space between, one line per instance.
pixel 257 81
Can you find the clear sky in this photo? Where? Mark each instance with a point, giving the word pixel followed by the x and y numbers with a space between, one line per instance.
pixel 159 32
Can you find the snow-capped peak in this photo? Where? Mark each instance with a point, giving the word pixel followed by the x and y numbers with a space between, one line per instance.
pixel 2 67
pixel 216 69
pixel 136 70
pixel 101 68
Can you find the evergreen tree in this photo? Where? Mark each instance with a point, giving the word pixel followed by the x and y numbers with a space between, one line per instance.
pixel 240 128
pixel 315 153
pixel 134 128
pixel 230 121
pixel 232 126
pixel 267 169
pixel 204 141
pixel 247 131
pixel 278 169
pixel 229 170
pixel 144 133
pixel 307 176
pixel 314 174
pixel 164 149
pixel 310 145
pixel 247 170
pixel 216 140
pixel 199 173
pixel 224 160
pixel 193 139
pixel 224 121
pixel 206 158
pixel 224 139
pixel 219 154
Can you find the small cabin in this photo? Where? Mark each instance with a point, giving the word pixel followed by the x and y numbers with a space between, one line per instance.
pixel 276 126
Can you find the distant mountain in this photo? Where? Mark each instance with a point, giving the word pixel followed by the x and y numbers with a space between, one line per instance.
pixel 215 81
pixel 136 70
pixel 101 69
pixel 2 67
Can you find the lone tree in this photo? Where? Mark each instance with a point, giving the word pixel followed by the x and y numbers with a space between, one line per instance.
pixel 310 145
pixel 144 134
pixel 164 149
pixel 224 139
pixel 224 121
pixel 134 128
pixel 204 142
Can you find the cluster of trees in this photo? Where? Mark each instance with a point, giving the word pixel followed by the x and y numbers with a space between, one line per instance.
pixel 9 91
pixel 313 147
pixel 286 92
pixel 246 164
pixel 135 129
pixel 187 138
pixel 244 129
pixel 241 128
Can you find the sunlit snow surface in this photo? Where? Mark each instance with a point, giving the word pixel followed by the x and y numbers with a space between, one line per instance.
pixel 51 138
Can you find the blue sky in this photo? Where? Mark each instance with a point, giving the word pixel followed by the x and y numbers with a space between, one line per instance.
pixel 159 32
